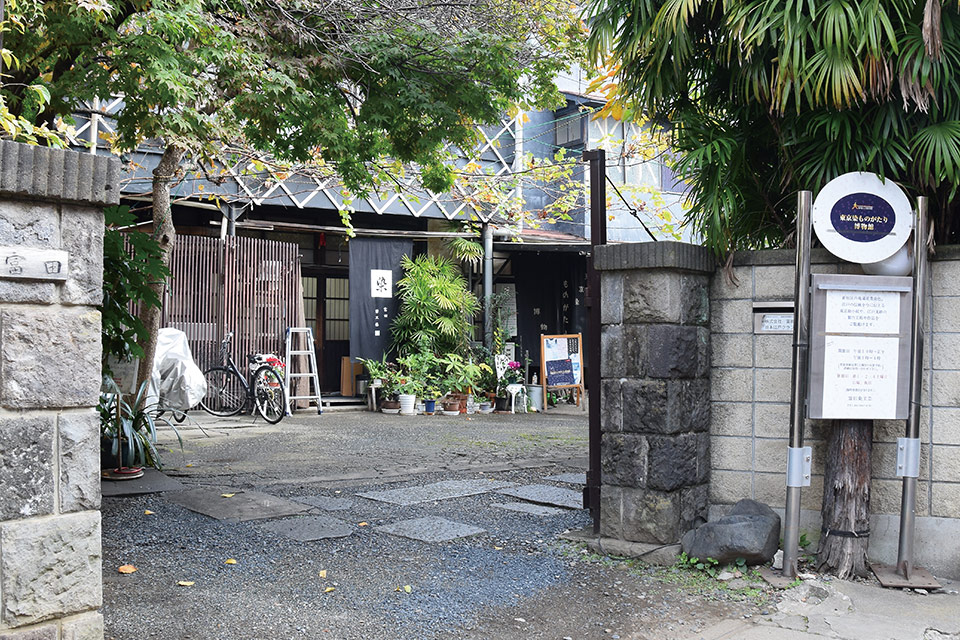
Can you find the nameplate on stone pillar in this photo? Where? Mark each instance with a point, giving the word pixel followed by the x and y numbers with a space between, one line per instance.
pixel 21 263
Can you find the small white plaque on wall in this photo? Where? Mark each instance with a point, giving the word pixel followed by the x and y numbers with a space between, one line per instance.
pixel 21 263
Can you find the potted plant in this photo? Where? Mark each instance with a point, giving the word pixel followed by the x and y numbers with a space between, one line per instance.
pixel 128 432
pixel 407 391
pixel 432 392
pixel 511 376
pixel 462 375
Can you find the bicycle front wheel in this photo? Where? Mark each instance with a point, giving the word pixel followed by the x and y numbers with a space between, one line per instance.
pixel 268 395
pixel 226 392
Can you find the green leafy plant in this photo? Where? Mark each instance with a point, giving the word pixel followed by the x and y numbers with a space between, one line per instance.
pixel 384 371
pixel 462 374
pixel 436 308
pixel 132 262
pixel 131 427
pixel 766 98
pixel 710 566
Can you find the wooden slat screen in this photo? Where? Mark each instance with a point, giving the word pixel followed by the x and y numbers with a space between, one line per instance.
pixel 245 285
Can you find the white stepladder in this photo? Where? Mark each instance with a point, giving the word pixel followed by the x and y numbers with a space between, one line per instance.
pixel 310 374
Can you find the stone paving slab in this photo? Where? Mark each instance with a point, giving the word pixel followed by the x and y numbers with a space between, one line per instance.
pixel 243 506
pixel 569 478
pixel 544 494
pixel 309 528
pixel 430 529
pixel 152 481
pixel 445 490
pixel 532 509
pixel 326 502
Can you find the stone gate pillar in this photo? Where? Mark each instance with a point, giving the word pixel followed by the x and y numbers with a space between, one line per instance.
pixel 655 389
pixel 51 271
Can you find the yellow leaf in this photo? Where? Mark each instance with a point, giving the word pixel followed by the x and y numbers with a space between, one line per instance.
pixel 127 568
pixel 362 524
pixel 329 589
pixel 323 574
pixel 227 495
pixel 230 561
pixel 189 464
pixel 185 583
pixel 498 548
pixel 147 512
pixel 407 588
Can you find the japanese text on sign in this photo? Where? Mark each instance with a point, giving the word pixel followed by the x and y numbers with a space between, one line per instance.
pixel 870 312
pixel 860 377
pixel 21 263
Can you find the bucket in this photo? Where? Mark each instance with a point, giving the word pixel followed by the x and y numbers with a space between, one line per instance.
pixel 362 388
pixel 408 404
pixel 535 393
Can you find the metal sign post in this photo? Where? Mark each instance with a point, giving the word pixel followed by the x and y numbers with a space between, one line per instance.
pixel 866 356
pixel 908 448
pixel 798 456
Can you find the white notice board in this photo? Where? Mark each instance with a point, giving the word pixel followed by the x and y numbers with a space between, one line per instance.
pixel 860 376
pixel 859 347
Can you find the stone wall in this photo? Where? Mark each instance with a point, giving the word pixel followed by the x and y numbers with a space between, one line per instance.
pixel 50 576
pixel 655 394
pixel 652 308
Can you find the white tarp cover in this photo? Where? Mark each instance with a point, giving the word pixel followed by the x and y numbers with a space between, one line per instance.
pixel 177 382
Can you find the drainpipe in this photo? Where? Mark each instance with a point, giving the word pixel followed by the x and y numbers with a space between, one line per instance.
pixel 487 285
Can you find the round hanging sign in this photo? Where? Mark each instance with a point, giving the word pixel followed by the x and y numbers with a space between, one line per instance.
pixel 860 218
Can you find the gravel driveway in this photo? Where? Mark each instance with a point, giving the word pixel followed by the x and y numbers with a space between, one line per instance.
pixel 511 578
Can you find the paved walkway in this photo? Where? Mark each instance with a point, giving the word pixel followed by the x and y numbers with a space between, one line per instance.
pixel 360 525
pixel 849 611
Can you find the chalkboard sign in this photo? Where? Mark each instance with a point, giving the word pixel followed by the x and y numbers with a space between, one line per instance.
pixel 561 362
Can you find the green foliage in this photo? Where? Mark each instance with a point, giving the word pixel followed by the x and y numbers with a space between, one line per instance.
pixel 463 373
pixel 487 381
pixel 386 372
pixel 131 426
pixel 354 84
pixel 131 261
pixel 436 308
pixel 767 98
pixel 710 566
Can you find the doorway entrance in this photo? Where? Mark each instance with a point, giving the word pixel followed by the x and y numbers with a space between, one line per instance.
pixel 326 307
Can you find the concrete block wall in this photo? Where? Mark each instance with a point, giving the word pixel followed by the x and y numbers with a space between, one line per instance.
pixel 50 553
pixel 750 404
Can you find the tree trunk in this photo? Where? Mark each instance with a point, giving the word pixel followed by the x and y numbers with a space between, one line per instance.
pixel 846 499
pixel 164 233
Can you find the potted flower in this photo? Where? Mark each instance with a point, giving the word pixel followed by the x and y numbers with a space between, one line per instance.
pixel 432 392
pixel 511 376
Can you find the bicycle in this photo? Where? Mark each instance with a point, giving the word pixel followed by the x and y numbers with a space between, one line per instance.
pixel 229 392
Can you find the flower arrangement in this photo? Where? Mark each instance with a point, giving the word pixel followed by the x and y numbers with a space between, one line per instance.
pixel 513 375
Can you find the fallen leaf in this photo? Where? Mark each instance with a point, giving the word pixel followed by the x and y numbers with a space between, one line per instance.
pixel 190 464
pixel 185 583
pixel 147 512
pixel 329 589
pixel 498 548
pixel 323 574
pixel 407 588
pixel 227 495
pixel 127 568
pixel 362 524
pixel 230 561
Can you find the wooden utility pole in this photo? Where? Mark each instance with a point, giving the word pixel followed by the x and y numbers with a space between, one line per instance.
pixel 846 499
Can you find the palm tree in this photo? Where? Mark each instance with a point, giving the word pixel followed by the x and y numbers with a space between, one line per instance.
pixel 770 96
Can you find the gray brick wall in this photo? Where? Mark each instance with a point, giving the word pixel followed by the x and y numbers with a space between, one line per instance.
pixel 50 577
